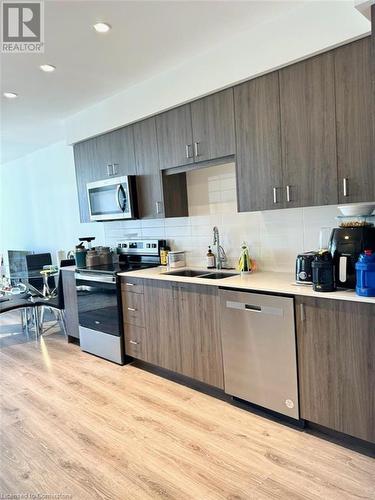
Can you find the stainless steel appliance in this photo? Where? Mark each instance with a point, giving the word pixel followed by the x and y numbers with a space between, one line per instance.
pixel 112 199
pixel 303 268
pixel 346 245
pixel 259 350
pixel 99 314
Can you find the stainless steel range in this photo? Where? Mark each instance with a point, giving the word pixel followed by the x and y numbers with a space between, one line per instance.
pixel 98 297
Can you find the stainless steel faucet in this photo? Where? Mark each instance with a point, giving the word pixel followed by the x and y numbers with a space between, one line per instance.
pixel 220 254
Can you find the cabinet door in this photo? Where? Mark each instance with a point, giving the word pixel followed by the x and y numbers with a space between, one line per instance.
pixel 161 320
pixel 122 151
pixel 258 160
pixel 149 181
pixel 355 110
pixel 175 138
pixel 307 99
pixel 200 341
pixel 336 353
pixel 213 126
pixel 85 166
pixel 70 303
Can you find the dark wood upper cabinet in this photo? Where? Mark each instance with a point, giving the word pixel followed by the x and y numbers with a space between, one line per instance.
pixel 355 116
pixel 115 153
pixel 213 126
pixel 175 137
pixel 258 160
pixel 336 352
pixel 149 181
pixel 200 341
pixel 307 103
pixel 85 157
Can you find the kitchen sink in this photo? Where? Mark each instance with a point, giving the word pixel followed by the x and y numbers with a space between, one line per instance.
pixel 192 273
pixel 188 273
pixel 218 276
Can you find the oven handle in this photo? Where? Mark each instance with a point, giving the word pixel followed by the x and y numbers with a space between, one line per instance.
pixel 119 189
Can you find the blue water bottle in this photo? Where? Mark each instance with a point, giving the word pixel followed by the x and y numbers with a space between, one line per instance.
pixel 365 274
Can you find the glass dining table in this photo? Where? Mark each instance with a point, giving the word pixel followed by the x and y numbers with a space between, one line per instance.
pixel 23 279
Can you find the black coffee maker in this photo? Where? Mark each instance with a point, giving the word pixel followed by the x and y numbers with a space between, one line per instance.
pixel 345 245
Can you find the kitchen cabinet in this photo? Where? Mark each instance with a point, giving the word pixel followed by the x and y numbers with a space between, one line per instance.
pixel 308 135
pixel 157 197
pixel 355 121
pixel 258 160
pixel 115 153
pixel 197 132
pixel 70 303
pixel 181 328
pixel 336 353
pixel 149 180
pixel 85 167
pixel 161 318
pixel 213 126
pixel 175 137
pixel 199 332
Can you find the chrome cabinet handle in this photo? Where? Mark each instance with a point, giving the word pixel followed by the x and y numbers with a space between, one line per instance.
pixel 109 170
pixel 131 309
pixel 345 186
pixel 288 193
pixel 130 284
pixel 274 191
pixel 134 342
pixel 114 169
pixel 187 151
pixel 196 149
pixel 158 207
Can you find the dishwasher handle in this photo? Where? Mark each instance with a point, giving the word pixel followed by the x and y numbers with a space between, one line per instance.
pixel 274 311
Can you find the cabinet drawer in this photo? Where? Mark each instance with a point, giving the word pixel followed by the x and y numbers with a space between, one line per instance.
pixel 132 285
pixel 133 308
pixel 135 341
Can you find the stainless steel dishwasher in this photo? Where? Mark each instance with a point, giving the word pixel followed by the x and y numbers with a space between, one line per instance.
pixel 259 350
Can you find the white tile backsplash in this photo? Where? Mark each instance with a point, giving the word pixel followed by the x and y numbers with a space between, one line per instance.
pixel 275 237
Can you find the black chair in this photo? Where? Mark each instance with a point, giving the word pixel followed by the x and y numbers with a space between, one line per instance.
pixel 35 262
pixel 14 304
pixel 56 304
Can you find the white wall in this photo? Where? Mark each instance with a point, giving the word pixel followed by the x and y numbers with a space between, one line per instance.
pixel 39 204
pixel 310 28
pixel 275 237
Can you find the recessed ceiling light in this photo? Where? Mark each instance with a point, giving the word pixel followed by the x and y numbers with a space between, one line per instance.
pixel 102 27
pixel 10 95
pixel 48 68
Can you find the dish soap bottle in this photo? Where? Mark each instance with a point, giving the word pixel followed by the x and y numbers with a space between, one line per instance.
pixel 245 263
pixel 210 259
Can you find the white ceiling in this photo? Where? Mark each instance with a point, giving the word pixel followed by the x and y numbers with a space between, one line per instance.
pixel 147 38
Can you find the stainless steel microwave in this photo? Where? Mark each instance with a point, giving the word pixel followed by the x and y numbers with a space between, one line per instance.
pixel 112 199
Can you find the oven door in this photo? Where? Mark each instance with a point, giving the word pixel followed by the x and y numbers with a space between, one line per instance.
pixel 97 306
pixel 110 199
pixel 98 315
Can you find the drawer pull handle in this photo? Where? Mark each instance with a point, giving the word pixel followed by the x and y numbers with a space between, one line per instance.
pixel 131 309
pixel 129 284
pixel 134 342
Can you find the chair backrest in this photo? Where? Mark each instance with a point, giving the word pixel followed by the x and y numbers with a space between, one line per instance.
pixel 36 261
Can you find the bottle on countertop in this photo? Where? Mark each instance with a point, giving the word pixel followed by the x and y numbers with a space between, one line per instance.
pixel 164 251
pixel 210 259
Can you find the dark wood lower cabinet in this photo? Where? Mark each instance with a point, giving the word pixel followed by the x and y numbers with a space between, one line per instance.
pixel 70 303
pixel 336 359
pixel 181 331
pixel 199 331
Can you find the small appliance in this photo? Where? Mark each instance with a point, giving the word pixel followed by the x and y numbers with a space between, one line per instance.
pixel 346 244
pixel 303 268
pixel 323 272
pixel 99 312
pixel 112 199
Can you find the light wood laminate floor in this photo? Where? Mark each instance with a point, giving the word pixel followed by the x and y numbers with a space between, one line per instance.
pixel 76 425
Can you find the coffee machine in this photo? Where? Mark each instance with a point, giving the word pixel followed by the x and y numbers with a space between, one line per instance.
pixel 345 245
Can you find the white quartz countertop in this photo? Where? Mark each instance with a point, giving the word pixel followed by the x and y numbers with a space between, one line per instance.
pixel 274 282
